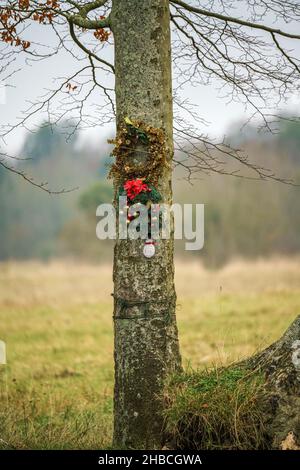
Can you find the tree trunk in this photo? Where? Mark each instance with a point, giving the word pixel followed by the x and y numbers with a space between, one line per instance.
pixel 146 339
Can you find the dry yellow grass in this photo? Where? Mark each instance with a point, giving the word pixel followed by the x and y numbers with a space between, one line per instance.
pixel 56 390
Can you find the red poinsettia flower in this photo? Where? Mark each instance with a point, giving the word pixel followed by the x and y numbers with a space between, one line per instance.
pixel 135 187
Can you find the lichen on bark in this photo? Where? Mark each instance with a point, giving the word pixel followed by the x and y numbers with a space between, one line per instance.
pixel 280 364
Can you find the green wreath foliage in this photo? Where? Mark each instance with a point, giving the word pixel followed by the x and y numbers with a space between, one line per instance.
pixel 143 197
pixel 130 134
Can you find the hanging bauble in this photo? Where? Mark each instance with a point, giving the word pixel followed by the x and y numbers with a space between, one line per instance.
pixel 149 249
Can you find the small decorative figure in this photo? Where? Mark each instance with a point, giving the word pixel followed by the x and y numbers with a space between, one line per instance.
pixel 149 249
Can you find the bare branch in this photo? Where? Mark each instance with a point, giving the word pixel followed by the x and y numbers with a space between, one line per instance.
pixel 86 50
pixel 231 19
pixel 43 185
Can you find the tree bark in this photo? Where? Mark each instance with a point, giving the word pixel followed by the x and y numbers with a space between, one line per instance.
pixel 280 363
pixel 146 338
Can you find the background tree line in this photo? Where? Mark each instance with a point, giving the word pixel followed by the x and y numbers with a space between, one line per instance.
pixel 243 218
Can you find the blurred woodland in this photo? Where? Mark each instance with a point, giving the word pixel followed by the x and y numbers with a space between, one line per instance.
pixel 243 218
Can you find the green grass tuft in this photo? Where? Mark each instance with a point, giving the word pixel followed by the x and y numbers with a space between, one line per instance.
pixel 216 409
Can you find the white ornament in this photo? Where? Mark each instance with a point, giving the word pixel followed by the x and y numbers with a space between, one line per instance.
pixel 149 249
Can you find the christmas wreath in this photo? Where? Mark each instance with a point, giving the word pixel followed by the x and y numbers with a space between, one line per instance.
pixel 136 180
pixel 131 134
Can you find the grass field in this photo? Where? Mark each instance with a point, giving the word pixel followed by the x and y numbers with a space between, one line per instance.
pixel 56 390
